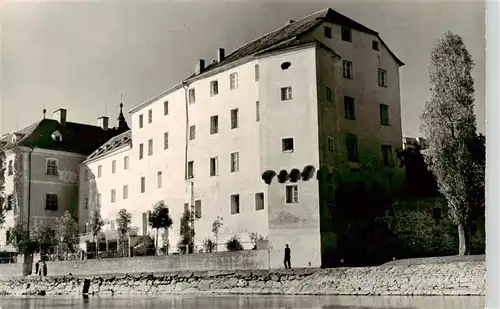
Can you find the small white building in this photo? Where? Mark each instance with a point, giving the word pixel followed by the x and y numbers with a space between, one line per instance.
pixel 322 92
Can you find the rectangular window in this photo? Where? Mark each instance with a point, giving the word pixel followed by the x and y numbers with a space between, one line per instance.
pixel 257 73
pixel 330 144
pixel 10 168
pixel 214 166
pixel 329 94
pixel 192 132
pixel 286 93
pixel 125 163
pixel 98 199
pixel 10 202
pixel 113 225
pixel 159 176
pixel 347 69
pixel 235 162
pixel 328 32
pixel 165 140
pixel 186 207
pixel 329 196
pixel 259 201
pixel 233 80
pixel 292 194
pixel 113 166
pixel 190 171
pixel 51 202
pixel 214 88
pixel 125 192
pixel 113 195
pixel 257 111
pixel 99 171
pixel 150 147
pixel 349 109
pixel 86 175
pixel 192 96
pixel 51 167
pixel 197 209
pixel 141 151
pixel 235 204
pixel 352 147
pixel 143 184
pixel 382 78
pixel 375 45
pixel 234 118
pixel 150 116
pixel 287 144
pixel 384 114
pixel 165 108
pixel 86 202
pixel 387 155
pixel 346 34
pixel 141 121
pixel 214 124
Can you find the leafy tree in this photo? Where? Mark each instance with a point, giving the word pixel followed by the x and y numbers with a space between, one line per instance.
pixel 19 237
pixel 43 236
pixel 216 226
pixel 96 223
pixel 159 218
pixel 255 238
pixel 185 244
pixel 449 124
pixel 123 221
pixel 234 244
pixel 209 245
pixel 67 231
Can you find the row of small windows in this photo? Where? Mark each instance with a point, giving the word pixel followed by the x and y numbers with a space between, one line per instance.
pixel 126 166
pixel 352 151
pixel 348 73
pixel 214 90
pixel 51 167
pixel 346 35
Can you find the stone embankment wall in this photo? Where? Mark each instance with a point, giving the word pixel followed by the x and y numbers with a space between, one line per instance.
pixel 463 278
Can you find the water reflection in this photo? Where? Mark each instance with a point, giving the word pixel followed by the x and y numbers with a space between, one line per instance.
pixel 244 302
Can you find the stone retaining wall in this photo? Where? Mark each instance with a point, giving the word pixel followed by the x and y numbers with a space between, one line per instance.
pixel 465 278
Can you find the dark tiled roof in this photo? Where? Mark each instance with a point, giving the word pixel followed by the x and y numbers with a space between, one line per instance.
pixel 76 137
pixel 291 31
pixel 115 142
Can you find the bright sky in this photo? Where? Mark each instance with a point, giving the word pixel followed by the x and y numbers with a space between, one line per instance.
pixel 81 56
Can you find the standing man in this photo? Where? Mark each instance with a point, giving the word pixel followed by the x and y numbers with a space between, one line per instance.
pixel 287 257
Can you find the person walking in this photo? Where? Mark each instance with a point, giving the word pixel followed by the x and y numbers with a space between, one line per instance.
pixel 287 257
pixel 37 266
pixel 44 268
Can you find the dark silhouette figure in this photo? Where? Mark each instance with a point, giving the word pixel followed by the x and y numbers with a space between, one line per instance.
pixel 287 257
pixel 37 265
pixel 44 268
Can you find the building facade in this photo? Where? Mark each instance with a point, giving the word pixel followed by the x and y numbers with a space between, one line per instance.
pixel 42 169
pixel 320 93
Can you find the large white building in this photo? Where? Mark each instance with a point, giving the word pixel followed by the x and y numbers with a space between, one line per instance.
pixel 320 92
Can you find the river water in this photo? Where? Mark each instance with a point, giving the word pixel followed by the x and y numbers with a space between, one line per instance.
pixel 243 302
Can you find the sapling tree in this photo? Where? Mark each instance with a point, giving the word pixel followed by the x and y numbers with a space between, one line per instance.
pixel 159 218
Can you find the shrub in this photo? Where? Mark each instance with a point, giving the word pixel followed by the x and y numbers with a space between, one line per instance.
pixel 208 245
pixel 234 244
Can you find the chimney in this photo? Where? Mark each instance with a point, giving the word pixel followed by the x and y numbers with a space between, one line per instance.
pixel 103 122
pixel 220 54
pixel 288 22
pixel 200 66
pixel 60 115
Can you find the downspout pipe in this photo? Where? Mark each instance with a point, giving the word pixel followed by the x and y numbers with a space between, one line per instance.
pixel 185 85
pixel 29 188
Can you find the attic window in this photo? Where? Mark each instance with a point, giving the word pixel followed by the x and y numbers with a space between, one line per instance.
pixel 285 65
pixel 57 136
pixel 14 139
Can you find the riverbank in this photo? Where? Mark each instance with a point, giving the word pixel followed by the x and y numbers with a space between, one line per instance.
pixel 452 278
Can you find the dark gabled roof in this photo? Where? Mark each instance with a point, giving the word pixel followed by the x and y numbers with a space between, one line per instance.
pixel 292 30
pixel 124 138
pixel 76 137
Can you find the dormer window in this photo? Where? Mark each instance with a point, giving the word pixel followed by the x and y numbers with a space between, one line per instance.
pixel 14 139
pixel 57 136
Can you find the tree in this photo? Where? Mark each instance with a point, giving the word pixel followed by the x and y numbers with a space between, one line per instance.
pixel 43 236
pixel 159 218
pixel 185 244
pixel 96 223
pixel 2 187
pixel 67 231
pixel 123 221
pixel 449 124
pixel 216 226
pixel 19 237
